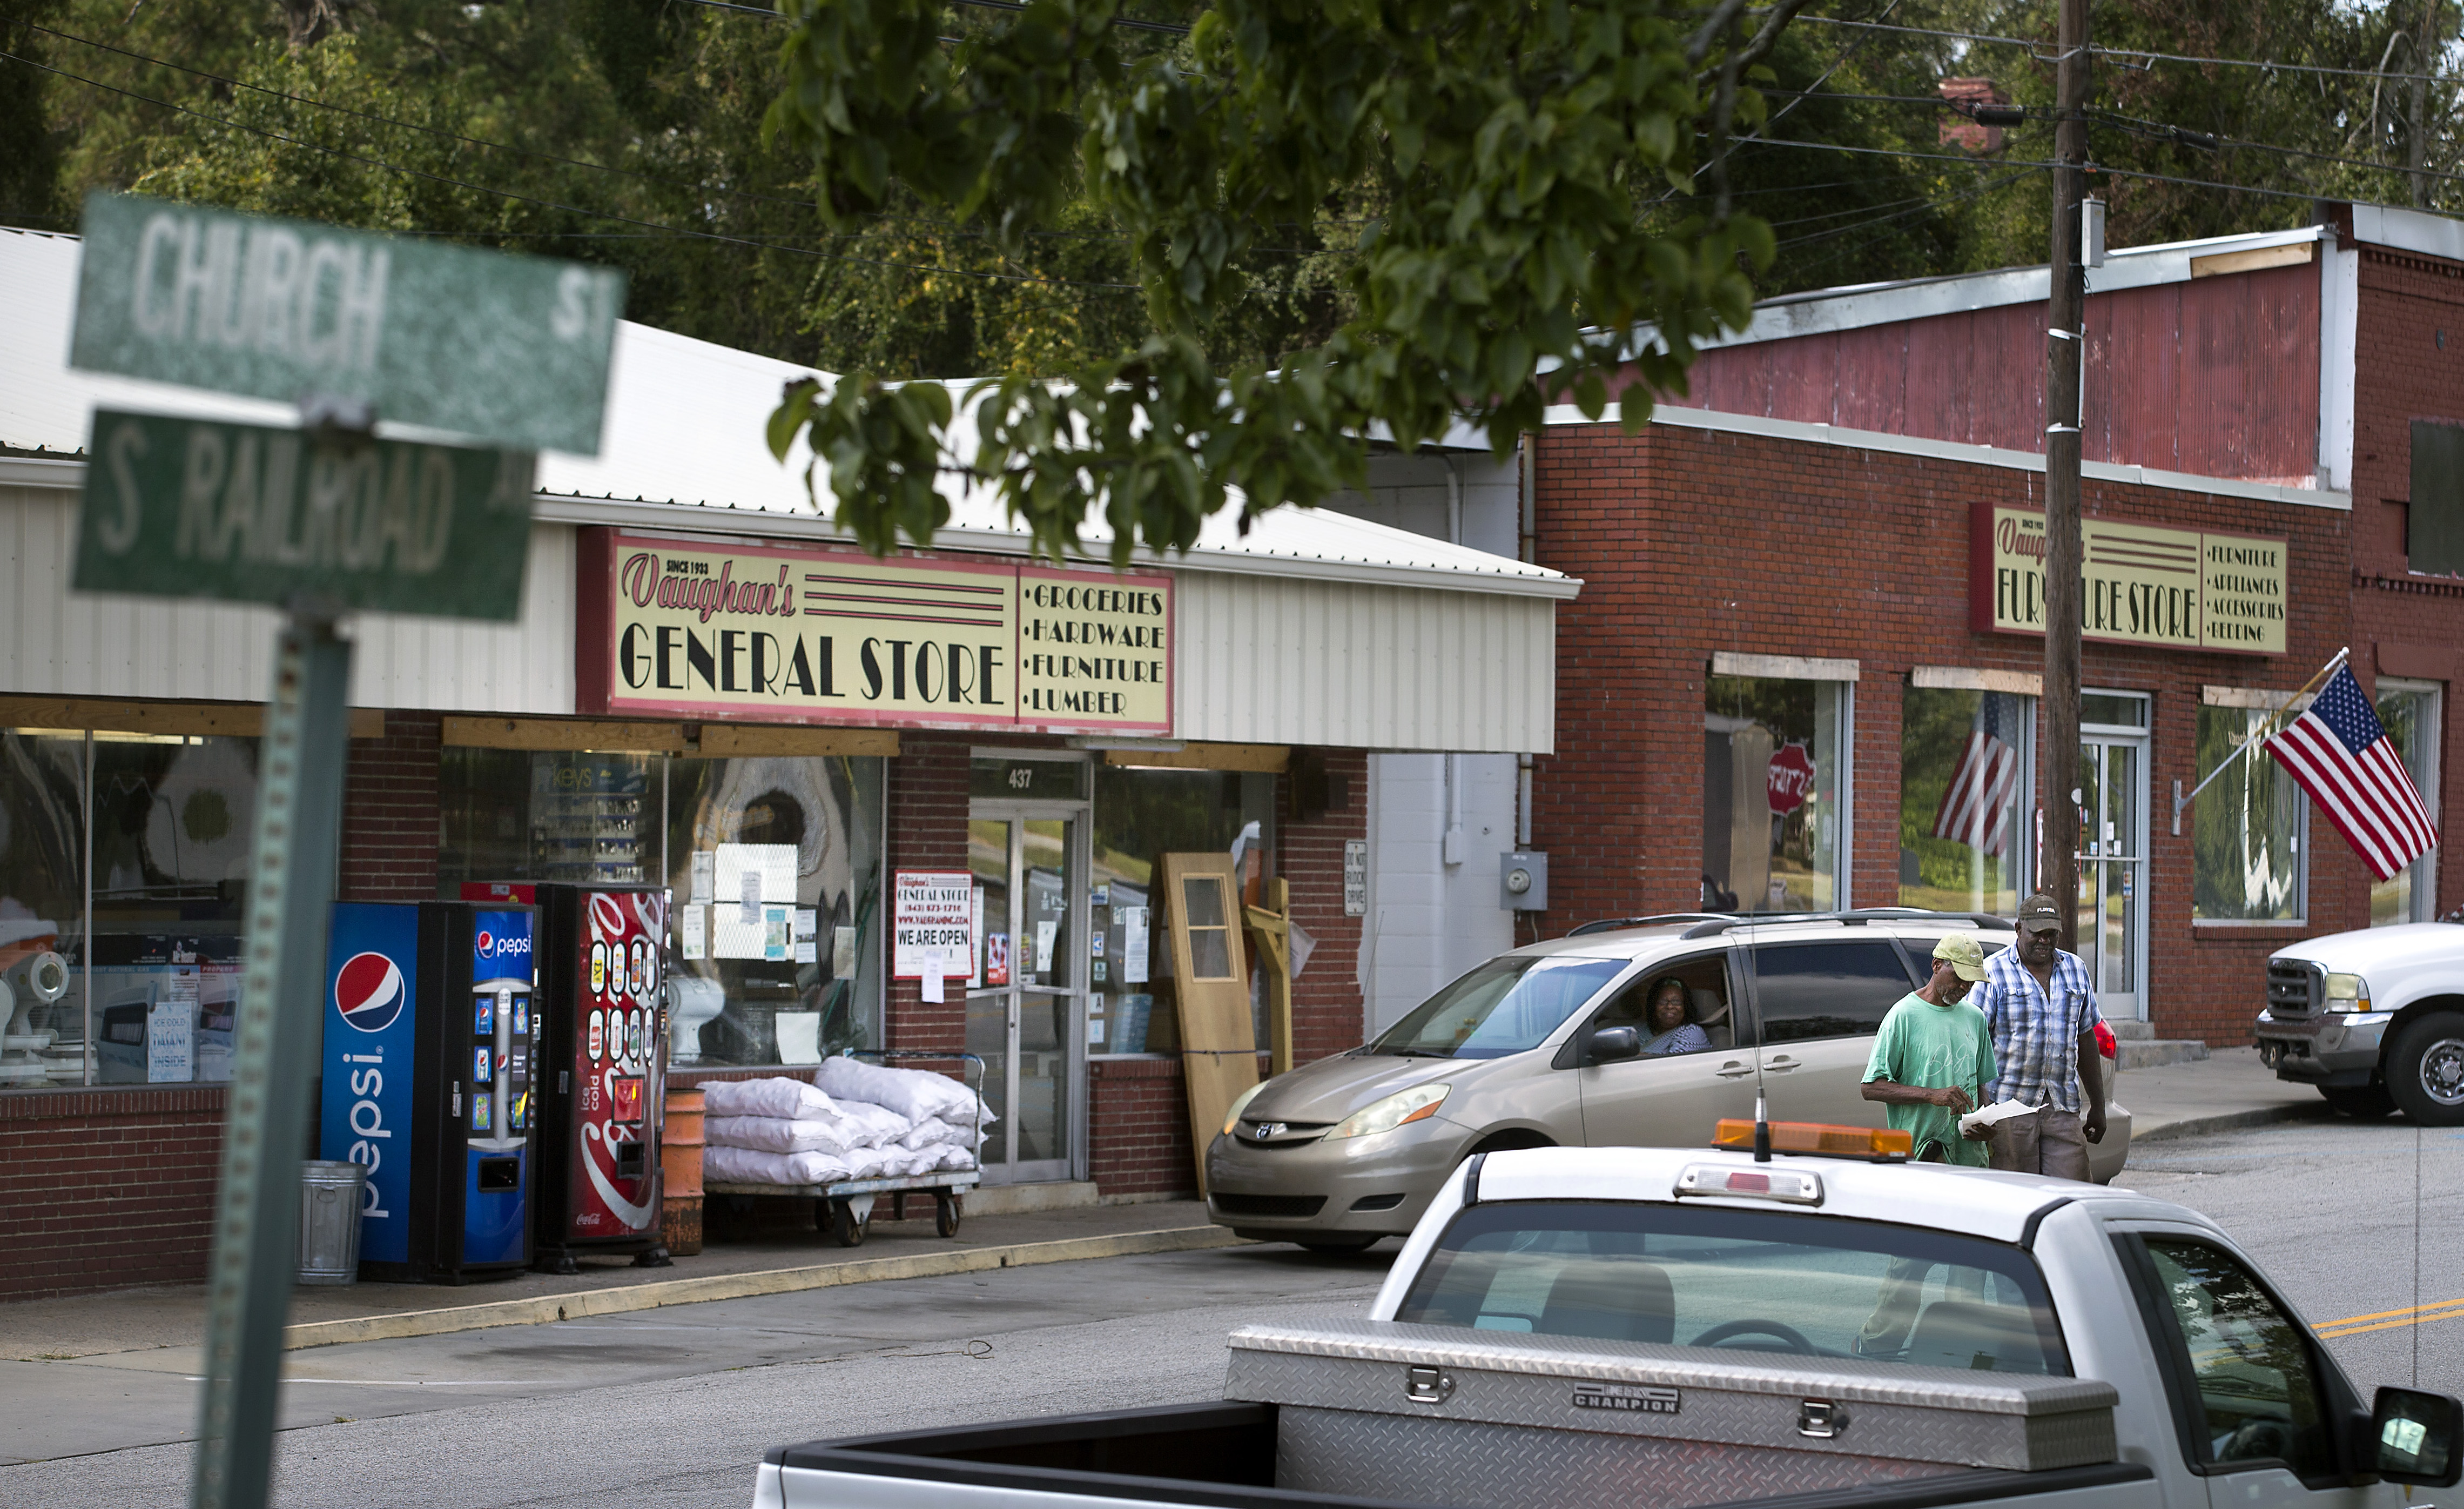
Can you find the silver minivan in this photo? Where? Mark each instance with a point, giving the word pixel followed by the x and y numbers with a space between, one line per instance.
pixel 1545 1046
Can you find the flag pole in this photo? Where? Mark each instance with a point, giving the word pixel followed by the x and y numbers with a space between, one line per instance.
pixel 2266 730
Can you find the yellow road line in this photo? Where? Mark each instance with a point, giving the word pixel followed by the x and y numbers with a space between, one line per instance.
pixel 2326 1334
pixel 2382 1314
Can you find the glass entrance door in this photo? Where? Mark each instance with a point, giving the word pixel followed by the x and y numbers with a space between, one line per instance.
pixel 1026 996
pixel 2113 870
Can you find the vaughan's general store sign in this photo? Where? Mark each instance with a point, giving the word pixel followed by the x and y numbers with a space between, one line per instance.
pixel 2142 584
pixel 780 634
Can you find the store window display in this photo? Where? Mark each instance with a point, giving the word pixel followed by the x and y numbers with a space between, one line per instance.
pixel 2246 828
pixel 42 909
pixel 134 978
pixel 1772 794
pixel 2409 712
pixel 774 864
pixel 1141 814
pixel 1965 765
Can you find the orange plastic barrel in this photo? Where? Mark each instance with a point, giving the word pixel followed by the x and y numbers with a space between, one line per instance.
pixel 680 1141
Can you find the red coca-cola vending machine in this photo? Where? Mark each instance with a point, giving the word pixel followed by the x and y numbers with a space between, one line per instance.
pixel 603 1056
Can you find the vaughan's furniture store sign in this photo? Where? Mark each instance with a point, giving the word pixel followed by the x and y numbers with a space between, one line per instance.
pixel 2142 584
pixel 781 634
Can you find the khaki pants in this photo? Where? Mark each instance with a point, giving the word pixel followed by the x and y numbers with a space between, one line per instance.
pixel 2046 1143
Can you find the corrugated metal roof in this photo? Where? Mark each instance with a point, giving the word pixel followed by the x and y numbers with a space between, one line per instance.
pixel 684 448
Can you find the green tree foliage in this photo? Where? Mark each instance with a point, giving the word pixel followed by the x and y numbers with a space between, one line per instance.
pixel 1398 206
pixel 1510 148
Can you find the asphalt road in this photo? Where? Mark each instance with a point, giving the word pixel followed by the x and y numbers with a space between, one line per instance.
pixel 672 1408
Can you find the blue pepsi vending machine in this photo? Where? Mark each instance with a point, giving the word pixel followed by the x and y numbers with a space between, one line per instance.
pixel 429 1033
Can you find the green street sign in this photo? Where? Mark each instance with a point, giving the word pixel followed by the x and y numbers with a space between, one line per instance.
pixel 510 350
pixel 202 508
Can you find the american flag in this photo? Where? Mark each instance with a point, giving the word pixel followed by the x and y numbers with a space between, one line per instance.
pixel 2341 754
pixel 1989 767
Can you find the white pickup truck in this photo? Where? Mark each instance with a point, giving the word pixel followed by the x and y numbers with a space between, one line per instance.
pixel 1576 1327
pixel 2374 1018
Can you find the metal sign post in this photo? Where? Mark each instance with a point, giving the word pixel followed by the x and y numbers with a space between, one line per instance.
pixel 257 1206
pixel 513 351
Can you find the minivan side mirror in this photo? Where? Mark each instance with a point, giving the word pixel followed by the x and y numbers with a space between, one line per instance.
pixel 2418 1435
pixel 1611 1043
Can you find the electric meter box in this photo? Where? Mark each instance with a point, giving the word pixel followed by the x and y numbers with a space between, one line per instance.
pixel 1523 882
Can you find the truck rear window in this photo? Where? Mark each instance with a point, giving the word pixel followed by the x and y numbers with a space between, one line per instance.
pixel 1740 1280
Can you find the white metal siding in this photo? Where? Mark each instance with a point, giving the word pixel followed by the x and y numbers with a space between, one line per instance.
pixel 56 643
pixel 1262 659
pixel 1276 660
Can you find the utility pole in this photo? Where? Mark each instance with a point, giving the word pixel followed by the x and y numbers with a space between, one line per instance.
pixel 2057 862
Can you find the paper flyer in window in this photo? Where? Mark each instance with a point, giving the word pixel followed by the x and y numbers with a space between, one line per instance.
pixel 932 911
pixel 705 875
pixel 1134 943
pixel 804 934
pixel 842 952
pixel 692 921
pixel 774 863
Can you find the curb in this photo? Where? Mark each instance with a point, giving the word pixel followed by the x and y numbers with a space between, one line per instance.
pixel 2229 1120
pixel 544 1309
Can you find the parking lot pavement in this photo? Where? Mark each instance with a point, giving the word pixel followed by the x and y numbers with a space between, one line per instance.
pixel 134 1405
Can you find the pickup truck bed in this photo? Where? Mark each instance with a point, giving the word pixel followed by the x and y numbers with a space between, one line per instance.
pixel 1224 1455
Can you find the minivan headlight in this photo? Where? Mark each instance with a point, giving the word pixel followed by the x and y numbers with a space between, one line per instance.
pixel 2347 992
pixel 1415 1105
pixel 1241 1104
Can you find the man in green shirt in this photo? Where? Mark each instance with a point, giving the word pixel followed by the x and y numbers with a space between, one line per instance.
pixel 1935 1056
pixel 1931 1065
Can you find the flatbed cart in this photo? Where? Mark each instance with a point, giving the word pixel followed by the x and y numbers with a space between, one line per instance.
pixel 844 1208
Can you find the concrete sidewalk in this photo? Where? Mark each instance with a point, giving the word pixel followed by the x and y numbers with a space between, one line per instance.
pixel 132 1319
pixel 2228 1088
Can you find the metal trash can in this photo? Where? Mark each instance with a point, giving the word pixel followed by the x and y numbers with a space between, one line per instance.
pixel 329 1221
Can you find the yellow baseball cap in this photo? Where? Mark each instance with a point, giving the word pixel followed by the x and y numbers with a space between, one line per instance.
pixel 1964 954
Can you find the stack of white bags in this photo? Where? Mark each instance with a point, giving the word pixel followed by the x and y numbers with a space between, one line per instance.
pixel 855 1120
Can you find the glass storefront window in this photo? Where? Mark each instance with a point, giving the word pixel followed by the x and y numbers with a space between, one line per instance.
pixel 1772 794
pixel 173 819
pixel 2246 828
pixel 1964 770
pixel 2410 711
pixel 793 989
pixel 42 908
pixel 741 1002
pixel 1142 814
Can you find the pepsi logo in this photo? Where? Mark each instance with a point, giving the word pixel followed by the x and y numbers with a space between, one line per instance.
pixel 368 991
pixel 487 943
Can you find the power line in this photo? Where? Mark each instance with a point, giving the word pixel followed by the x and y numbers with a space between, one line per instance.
pixel 2036 47
pixel 550 204
pixel 2153 130
pixel 2107 170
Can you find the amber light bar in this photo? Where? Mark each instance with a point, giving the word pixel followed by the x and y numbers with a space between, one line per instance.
pixel 1819 1138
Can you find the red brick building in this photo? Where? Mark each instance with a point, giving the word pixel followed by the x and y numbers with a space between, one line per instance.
pixel 1826 549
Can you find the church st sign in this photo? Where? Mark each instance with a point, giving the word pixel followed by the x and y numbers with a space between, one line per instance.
pixel 509 351
pixel 783 635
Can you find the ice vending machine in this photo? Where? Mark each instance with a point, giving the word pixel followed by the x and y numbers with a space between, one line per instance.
pixel 428 1052
pixel 603 1070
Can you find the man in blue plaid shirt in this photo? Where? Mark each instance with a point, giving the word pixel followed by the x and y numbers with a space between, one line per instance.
pixel 2041 1005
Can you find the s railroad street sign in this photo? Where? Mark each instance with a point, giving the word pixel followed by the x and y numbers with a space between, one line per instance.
pixel 510 350
pixel 206 508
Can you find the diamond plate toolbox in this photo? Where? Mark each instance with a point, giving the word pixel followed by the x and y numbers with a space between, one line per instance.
pixel 1383 1409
